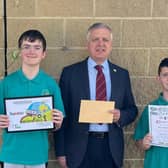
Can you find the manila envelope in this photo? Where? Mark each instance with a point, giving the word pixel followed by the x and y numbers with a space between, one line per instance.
pixel 93 111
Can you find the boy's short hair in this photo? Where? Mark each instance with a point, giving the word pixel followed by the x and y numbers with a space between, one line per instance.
pixel 31 36
pixel 163 63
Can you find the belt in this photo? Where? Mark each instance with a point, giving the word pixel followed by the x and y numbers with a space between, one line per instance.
pixel 100 135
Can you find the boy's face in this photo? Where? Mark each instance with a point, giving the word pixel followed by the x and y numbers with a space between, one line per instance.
pixel 163 78
pixel 32 53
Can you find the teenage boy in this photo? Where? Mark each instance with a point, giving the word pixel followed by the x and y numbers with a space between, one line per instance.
pixel 155 156
pixel 28 149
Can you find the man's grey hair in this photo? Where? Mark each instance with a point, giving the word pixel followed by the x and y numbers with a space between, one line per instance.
pixel 97 26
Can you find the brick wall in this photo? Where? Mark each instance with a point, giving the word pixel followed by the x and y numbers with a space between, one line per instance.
pixel 140 42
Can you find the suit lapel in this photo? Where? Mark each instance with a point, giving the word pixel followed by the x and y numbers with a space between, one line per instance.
pixel 84 88
pixel 113 76
pixel 84 82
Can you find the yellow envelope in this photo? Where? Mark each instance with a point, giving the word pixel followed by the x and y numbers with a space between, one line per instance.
pixel 93 111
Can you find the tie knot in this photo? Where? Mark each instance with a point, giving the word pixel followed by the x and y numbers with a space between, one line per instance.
pixel 99 68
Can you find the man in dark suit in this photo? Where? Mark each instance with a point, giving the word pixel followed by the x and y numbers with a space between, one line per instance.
pixel 81 145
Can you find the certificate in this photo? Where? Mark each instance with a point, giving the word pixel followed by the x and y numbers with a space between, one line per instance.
pixel 158 125
pixel 29 113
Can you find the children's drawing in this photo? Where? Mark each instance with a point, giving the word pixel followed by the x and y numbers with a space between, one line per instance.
pixel 37 111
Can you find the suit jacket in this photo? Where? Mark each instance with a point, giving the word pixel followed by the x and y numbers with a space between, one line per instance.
pixel 71 140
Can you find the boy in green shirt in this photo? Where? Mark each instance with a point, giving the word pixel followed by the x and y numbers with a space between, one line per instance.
pixel 28 149
pixel 155 156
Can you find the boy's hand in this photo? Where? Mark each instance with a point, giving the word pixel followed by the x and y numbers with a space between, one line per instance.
pixel 146 141
pixel 57 118
pixel 4 121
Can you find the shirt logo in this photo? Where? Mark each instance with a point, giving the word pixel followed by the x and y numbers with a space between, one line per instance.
pixel 45 92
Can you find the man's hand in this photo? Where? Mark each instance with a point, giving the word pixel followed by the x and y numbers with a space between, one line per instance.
pixel 57 118
pixel 62 161
pixel 116 115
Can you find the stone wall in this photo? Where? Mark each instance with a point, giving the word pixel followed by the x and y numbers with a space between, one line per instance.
pixel 140 42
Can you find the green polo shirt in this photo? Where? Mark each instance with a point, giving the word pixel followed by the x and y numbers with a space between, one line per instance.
pixel 27 147
pixel 155 156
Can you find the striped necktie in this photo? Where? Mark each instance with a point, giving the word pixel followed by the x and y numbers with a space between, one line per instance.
pixel 100 84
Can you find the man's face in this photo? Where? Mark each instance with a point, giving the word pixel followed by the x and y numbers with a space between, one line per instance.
pixel 32 53
pixel 99 44
pixel 163 78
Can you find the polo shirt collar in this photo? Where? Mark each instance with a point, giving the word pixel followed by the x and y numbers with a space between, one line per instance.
pixel 23 78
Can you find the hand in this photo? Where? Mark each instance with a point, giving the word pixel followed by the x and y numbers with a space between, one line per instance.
pixel 57 118
pixel 116 115
pixel 146 141
pixel 4 121
pixel 62 161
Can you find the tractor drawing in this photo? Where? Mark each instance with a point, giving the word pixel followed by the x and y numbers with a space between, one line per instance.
pixel 37 111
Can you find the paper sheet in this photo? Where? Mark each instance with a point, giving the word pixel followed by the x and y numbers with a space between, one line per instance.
pixel 92 111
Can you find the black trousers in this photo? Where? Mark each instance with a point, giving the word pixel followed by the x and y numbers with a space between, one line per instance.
pixel 98 153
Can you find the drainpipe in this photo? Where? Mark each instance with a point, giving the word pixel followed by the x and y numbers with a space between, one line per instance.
pixel 5 37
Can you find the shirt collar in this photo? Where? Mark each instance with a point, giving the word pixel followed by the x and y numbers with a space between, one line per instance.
pixel 23 78
pixel 92 63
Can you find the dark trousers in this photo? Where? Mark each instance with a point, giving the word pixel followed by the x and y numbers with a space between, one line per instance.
pixel 98 153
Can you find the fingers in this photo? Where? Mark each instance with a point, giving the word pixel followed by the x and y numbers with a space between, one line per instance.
pixel 116 115
pixel 146 142
pixel 62 161
pixel 57 118
pixel 4 121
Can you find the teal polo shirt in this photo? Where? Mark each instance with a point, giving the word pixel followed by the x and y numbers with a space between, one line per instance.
pixel 27 147
pixel 155 156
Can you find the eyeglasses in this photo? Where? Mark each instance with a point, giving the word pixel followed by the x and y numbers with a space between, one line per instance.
pixel 27 47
